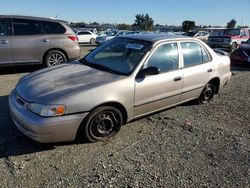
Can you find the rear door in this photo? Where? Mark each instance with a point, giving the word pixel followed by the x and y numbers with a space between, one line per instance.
pixel 30 42
pixel 5 41
pixel 197 70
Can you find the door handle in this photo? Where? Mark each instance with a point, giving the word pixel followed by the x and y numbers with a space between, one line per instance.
pixel 4 42
pixel 210 70
pixel 45 40
pixel 177 78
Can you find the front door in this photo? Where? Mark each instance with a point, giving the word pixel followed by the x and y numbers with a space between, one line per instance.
pixel 156 92
pixel 5 41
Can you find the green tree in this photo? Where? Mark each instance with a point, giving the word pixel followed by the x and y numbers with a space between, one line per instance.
pixel 143 22
pixel 77 24
pixel 124 26
pixel 139 21
pixel 148 23
pixel 188 25
pixel 231 24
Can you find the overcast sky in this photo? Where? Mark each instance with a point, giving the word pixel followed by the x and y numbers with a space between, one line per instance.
pixel 203 12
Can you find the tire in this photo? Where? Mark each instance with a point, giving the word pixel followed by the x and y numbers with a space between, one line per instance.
pixel 234 46
pixel 92 41
pixel 207 94
pixel 102 123
pixel 54 57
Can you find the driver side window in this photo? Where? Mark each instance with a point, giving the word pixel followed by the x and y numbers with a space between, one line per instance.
pixel 165 57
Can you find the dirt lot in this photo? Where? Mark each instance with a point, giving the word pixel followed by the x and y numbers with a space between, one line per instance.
pixel 186 146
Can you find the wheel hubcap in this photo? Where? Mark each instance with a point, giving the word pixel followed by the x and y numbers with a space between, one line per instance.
pixel 208 93
pixel 55 59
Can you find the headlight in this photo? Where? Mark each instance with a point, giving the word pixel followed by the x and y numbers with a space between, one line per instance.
pixel 46 110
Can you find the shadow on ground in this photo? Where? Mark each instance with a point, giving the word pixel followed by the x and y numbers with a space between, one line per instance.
pixel 241 68
pixel 19 69
pixel 13 142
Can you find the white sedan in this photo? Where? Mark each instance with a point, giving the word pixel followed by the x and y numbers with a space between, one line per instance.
pixel 86 37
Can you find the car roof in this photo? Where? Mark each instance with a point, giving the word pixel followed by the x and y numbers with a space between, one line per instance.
pixel 153 38
pixel 32 17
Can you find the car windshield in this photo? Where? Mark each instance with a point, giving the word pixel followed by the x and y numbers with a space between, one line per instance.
pixel 119 55
pixel 190 34
pixel 233 32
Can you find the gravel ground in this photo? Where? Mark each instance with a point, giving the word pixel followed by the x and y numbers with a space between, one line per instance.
pixel 185 146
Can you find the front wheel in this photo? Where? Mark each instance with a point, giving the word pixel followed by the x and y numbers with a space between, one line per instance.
pixel 234 46
pixel 102 123
pixel 207 93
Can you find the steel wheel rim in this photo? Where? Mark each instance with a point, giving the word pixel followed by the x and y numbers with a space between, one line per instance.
pixel 103 125
pixel 208 93
pixel 55 59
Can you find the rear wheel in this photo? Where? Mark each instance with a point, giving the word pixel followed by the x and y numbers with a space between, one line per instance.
pixel 54 57
pixel 102 123
pixel 92 41
pixel 207 93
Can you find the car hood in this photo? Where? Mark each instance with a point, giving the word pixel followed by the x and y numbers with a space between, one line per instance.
pixel 50 84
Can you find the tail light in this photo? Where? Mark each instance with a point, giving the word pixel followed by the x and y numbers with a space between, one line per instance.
pixel 73 38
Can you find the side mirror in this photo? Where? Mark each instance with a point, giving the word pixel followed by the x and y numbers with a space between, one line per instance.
pixel 149 71
pixel 243 42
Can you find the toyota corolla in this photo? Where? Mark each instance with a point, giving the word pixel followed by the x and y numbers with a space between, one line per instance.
pixel 123 79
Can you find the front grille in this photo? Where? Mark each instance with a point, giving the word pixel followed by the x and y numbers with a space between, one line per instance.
pixel 217 40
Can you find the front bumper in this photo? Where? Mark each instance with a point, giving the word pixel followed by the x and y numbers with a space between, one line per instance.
pixel 42 129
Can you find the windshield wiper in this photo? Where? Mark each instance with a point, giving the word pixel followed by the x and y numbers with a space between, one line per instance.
pixel 100 67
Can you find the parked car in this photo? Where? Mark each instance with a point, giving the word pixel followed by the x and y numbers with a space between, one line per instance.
pixel 229 38
pixel 86 37
pixel 242 54
pixel 33 40
pixel 123 79
pixel 202 35
pixel 105 38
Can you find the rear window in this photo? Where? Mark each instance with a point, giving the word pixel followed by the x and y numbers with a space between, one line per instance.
pixel 53 28
pixel 27 27
pixel 5 27
pixel 193 54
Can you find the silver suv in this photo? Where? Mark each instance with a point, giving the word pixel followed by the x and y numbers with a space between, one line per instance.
pixel 33 40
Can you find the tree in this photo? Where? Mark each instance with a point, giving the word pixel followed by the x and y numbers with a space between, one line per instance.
pixel 78 24
pixel 231 24
pixel 94 23
pixel 148 23
pixel 143 22
pixel 139 21
pixel 124 26
pixel 188 25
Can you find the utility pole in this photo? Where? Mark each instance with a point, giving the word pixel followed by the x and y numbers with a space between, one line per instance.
pixel 241 21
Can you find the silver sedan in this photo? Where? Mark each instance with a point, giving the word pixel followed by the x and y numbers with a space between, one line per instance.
pixel 123 79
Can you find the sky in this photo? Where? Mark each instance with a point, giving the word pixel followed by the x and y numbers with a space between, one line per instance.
pixel 170 12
